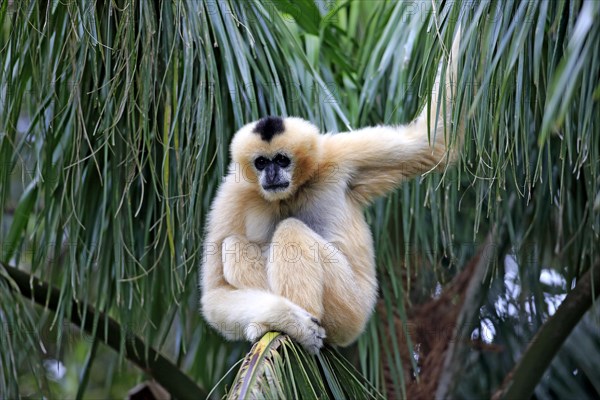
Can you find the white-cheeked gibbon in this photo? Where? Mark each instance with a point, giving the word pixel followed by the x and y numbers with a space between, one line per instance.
pixel 287 247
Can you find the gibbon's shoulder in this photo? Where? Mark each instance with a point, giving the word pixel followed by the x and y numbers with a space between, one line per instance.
pixel 228 208
pixel 236 186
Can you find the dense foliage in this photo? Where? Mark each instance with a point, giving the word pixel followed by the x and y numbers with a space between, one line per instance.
pixel 115 119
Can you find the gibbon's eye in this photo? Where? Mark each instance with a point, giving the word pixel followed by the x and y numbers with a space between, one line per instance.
pixel 281 160
pixel 260 163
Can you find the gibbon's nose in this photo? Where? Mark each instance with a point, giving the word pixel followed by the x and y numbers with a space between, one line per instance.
pixel 272 171
pixel 274 182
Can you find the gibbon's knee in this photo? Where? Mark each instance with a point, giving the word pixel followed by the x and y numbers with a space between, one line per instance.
pixel 293 267
pixel 243 263
pixel 292 226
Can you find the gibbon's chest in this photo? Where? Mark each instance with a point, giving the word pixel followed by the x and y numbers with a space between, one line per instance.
pixel 320 210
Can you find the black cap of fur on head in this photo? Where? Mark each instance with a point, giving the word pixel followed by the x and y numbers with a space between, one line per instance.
pixel 268 127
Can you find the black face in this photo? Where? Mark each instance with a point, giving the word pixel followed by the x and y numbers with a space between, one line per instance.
pixel 273 174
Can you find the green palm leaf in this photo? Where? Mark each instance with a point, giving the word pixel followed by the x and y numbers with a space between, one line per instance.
pixel 278 368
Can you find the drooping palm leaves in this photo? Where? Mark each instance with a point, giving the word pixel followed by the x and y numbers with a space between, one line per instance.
pixel 115 119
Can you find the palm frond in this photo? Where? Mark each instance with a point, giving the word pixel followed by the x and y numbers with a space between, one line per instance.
pixel 277 368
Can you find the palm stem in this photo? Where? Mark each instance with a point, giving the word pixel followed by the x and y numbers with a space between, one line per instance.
pixel 148 359
pixel 521 381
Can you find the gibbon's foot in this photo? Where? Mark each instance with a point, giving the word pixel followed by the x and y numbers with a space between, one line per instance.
pixel 306 330
pixel 302 327
pixel 293 320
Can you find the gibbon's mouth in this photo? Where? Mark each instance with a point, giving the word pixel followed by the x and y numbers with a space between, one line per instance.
pixel 276 187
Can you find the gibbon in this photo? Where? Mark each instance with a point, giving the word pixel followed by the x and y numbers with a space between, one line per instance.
pixel 287 247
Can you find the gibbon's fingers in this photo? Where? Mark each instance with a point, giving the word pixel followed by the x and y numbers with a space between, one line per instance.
pixel 243 263
pixel 376 160
pixel 438 126
pixel 249 313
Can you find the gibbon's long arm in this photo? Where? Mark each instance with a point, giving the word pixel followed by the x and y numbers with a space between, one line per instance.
pixel 376 160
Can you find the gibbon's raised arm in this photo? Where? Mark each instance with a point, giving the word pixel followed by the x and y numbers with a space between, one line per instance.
pixel 376 160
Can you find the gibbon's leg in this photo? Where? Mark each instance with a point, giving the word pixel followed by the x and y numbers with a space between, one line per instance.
pixel 294 270
pixel 304 268
pixel 243 264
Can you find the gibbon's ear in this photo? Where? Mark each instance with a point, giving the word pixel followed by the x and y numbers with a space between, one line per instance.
pixel 269 136
pixel 245 147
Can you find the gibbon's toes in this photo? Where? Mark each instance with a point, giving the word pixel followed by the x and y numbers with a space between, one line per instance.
pixel 309 332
